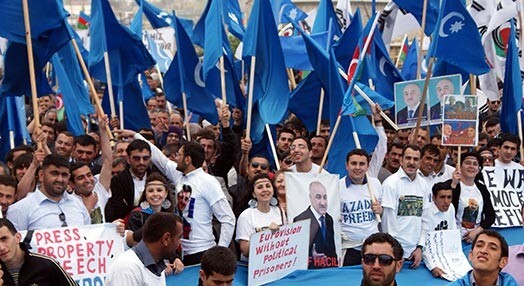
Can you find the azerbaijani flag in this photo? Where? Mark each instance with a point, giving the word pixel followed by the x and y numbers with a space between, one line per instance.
pixel 403 51
pixel 83 21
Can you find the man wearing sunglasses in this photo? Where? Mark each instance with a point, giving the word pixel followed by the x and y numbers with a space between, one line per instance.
pixel 381 260
pixel 492 111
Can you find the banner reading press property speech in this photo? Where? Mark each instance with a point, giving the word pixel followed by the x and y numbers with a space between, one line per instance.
pixel 506 187
pixel 275 254
pixel 85 252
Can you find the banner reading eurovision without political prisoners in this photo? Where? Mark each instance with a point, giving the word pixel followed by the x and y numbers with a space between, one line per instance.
pixel 506 187
pixel 84 252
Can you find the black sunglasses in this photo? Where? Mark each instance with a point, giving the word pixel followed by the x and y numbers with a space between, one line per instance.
pixel 383 259
pixel 62 219
pixel 256 165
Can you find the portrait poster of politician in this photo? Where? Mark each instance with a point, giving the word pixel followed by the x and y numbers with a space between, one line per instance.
pixel 437 88
pixel 408 101
pixel 315 197
pixel 460 120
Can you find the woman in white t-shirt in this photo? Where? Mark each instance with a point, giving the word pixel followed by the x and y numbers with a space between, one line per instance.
pixel 471 199
pixel 263 213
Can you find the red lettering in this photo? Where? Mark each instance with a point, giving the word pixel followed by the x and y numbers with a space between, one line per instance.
pixel 38 237
pixel 90 251
pixel 47 238
pixel 66 264
pixel 57 236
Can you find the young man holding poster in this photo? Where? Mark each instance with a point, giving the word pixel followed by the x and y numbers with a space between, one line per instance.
pixel 21 267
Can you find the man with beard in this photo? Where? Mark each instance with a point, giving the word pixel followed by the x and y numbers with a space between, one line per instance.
pixel 207 198
pixel 318 148
pixel 128 185
pixel 50 206
pixel 381 260
pixel 405 196
pixel 144 263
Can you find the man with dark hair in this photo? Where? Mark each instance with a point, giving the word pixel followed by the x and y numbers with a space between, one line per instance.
pixel 207 198
pixel 428 166
pixel 492 127
pixel 50 206
pixel 318 148
pixel 488 255
pixel 389 253
pixel 405 196
pixel 94 195
pixel 508 148
pixel 392 161
pixel 21 267
pixel 12 154
pixel 357 208
pixel 301 152
pixel 440 215
pixel 218 267
pixel 85 150
pixel 64 144
pixel 8 186
pixel 127 187
pixel 144 263
pixel 284 140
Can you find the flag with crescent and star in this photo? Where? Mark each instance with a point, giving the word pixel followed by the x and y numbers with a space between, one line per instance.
pixel 456 39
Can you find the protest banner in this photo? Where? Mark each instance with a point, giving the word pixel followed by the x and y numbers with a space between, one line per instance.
pixel 505 186
pixel 444 250
pixel 316 198
pixel 85 252
pixel 275 254
pixel 460 120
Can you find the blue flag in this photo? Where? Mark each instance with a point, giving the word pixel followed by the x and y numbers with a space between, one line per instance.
pixel 409 68
pixel 415 7
pixel 232 18
pixel 12 118
pixel 305 101
pixel 381 68
pixel 156 17
pixel 295 53
pixel 512 93
pixel 384 103
pixel 270 90
pixel 136 23
pixel 456 39
pixel 74 93
pixel 345 46
pixel 282 9
pixel 161 57
pixel 326 19
pixel 185 75
pixel 127 54
pixel 135 111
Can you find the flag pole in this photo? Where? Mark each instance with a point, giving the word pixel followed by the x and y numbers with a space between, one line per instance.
pixel 272 144
pixel 330 142
pixel 94 96
pixel 186 113
pixel 291 78
pixel 423 100
pixel 109 84
pixel 419 62
pixel 249 106
pixel 161 79
pixel 31 62
pixel 223 80
pixel 320 108
pixel 371 103
pixel 121 112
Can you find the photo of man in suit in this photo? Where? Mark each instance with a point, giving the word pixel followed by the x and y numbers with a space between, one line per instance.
pixel 443 87
pixel 322 252
pixel 412 95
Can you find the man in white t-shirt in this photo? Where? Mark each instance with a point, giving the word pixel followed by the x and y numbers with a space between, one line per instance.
pixel 405 196
pixel 508 148
pixel 440 215
pixel 94 193
pixel 301 154
pixel 357 208
pixel 144 263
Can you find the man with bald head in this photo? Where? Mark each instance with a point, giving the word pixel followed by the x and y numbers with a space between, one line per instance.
pixel 412 95
pixel 322 252
pixel 443 87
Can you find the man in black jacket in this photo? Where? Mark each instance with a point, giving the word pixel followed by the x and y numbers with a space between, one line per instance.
pixel 21 267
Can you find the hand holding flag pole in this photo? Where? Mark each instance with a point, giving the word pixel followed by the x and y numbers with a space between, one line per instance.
pixel 31 61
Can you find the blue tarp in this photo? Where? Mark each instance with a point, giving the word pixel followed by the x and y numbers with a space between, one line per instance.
pixel 345 275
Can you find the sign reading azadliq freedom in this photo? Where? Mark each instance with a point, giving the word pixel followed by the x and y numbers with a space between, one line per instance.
pixel 443 249
pixel 85 252
pixel 506 187
pixel 275 254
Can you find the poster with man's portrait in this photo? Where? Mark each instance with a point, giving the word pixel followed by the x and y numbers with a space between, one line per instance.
pixel 315 197
pixel 460 120
pixel 408 100
pixel 438 87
